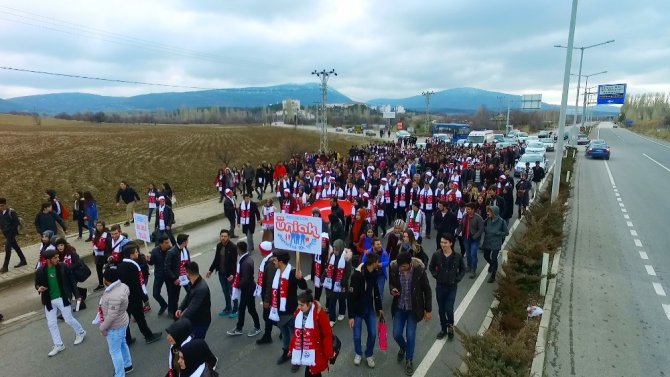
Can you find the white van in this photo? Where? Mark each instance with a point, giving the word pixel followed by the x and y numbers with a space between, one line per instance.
pixel 478 138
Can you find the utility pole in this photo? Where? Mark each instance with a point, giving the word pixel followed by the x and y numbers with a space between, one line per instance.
pixel 427 94
pixel 323 75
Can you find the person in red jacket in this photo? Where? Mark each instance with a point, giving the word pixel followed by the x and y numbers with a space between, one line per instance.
pixel 280 171
pixel 312 341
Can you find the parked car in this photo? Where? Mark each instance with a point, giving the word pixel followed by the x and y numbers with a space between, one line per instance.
pixel 615 125
pixel 549 145
pixel 371 133
pixel 522 136
pixel 339 129
pixel 582 139
pixel 531 158
pixel 350 130
pixel 402 134
pixel 598 148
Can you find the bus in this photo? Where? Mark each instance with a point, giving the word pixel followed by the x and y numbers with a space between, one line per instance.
pixel 457 131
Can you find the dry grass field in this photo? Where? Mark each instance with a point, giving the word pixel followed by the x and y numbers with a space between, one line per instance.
pixel 69 156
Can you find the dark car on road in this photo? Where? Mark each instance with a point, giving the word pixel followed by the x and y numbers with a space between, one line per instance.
pixel 598 149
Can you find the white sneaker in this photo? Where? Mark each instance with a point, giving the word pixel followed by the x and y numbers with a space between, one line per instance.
pixel 254 332
pixel 340 317
pixel 56 350
pixel 357 360
pixel 234 332
pixel 332 323
pixel 79 338
pixel 371 361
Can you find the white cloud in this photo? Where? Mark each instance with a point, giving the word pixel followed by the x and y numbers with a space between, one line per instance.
pixel 379 48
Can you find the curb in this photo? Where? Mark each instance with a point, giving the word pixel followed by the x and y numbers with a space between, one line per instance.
pixel 537 367
pixel 88 257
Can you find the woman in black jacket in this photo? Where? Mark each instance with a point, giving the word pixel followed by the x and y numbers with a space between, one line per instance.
pixel 79 212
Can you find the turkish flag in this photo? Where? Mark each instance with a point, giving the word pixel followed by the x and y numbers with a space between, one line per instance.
pixel 324 206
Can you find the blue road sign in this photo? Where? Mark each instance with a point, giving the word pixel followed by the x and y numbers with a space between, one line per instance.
pixel 611 94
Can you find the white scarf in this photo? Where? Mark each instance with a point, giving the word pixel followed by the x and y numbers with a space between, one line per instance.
pixel 261 272
pixel 279 293
pixel 336 273
pixel 236 280
pixel 304 352
pixel 245 213
pixel 139 270
pixel 161 220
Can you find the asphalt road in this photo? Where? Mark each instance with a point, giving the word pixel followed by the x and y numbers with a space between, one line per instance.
pixel 30 340
pixel 612 316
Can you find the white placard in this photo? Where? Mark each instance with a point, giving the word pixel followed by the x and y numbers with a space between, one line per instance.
pixel 301 234
pixel 142 231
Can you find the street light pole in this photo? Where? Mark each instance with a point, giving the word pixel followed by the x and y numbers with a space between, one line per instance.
pixel 564 104
pixel 581 60
pixel 427 94
pixel 586 88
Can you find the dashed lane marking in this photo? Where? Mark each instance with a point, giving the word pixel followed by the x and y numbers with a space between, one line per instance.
pixel 196 255
pixel 659 289
pixel 624 210
pixel 619 199
pixel 650 270
pixel 638 243
pixel 617 194
pixel 626 217
pixel 633 233
pixel 666 309
pixel 621 205
pixel 629 223
pixel 643 255
pixel 609 173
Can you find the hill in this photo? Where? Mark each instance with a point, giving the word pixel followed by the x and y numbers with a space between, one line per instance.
pixel 238 97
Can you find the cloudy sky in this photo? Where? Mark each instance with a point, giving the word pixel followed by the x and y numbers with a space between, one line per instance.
pixel 378 48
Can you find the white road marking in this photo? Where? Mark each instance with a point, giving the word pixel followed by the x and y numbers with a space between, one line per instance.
pixel 615 190
pixel 196 255
pixel 618 199
pixel 435 349
pixel 650 270
pixel 629 223
pixel 638 243
pixel 633 233
pixel 617 194
pixel 643 255
pixel 659 289
pixel 657 163
pixel 621 205
pixel 648 139
pixel 609 173
pixel 626 217
pixel 18 318
pixel 624 210
pixel 666 309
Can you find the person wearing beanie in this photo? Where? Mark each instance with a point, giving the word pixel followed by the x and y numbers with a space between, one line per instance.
pixel 55 287
pixel 248 215
pixel 335 280
pixel 113 320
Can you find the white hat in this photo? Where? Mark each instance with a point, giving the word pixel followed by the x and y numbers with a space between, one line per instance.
pixel 161 197
pixel 265 247
pixel 229 191
pixel 287 190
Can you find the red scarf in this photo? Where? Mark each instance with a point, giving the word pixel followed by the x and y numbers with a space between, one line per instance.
pixel 261 273
pixel 279 292
pixel 236 279
pixel 328 283
pixel 304 351
pixel 139 273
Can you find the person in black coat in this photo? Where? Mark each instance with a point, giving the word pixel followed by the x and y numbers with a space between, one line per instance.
pixel 246 285
pixel 247 216
pixel 230 211
pixel 448 269
pixel 130 275
pixel 46 219
pixel 445 221
pixel 197 303
pixel 175 271
pixel 164 220
pixel 157 259
pixel 337 210
pixel 365 303
pixel 225 263
pixel 9 224
pixel 495 200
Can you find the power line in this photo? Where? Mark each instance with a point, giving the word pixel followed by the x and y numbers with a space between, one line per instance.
pixel 102 78
pixel 66 27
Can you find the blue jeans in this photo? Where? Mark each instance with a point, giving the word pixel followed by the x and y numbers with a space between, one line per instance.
pixel 286 333
pixel 199 331
pixel 471 248
pixel 446 296
pixel 118 349
pixel 158 286
pixel 91 227
pixel 381 282
pixel 227 288
pixel 404 320
pixel 370 320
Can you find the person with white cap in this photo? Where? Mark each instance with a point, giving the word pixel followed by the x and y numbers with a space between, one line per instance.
pixel 248 215
pixel 229 209
pixel 287 203
pixel 164 220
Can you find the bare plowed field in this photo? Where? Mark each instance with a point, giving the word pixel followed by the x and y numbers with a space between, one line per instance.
pixel 69 156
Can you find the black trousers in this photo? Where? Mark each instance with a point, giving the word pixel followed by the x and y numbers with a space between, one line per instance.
pixel 381 223
pixel 10 243
pixel 100 261
pixel 248 186
pixel 429 222
pixel 138 314
pixel 231 219
pixel 491 256
pixel 173 296
pixel 247 303
pixel 267 332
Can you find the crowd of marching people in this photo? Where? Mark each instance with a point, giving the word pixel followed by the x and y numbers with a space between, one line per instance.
pixel 458 196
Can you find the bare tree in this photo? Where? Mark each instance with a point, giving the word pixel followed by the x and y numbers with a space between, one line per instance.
pixel 225 156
